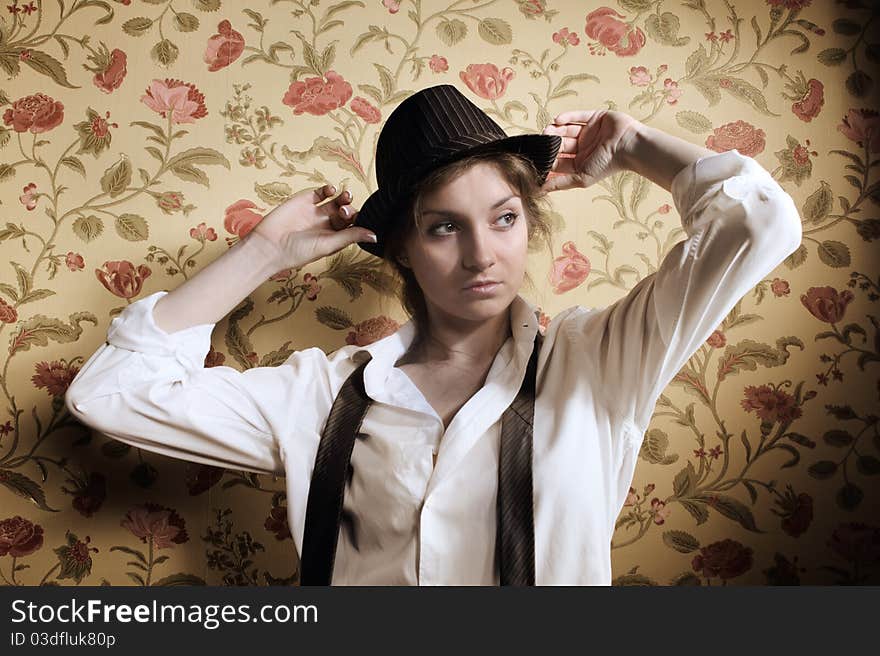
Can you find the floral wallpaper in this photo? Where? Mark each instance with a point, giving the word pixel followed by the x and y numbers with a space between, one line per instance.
pixel 142 138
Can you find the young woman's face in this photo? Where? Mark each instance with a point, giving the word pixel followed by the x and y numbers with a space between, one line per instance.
pixel 472 229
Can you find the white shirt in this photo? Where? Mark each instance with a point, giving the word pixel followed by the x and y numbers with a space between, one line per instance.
pixel 600 372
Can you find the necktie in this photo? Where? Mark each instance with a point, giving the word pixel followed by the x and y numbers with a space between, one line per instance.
pixel 515 542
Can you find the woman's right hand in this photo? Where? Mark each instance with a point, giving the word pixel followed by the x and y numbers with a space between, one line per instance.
pixel 302 231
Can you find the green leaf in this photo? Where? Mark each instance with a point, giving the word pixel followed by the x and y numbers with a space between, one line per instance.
pixel 697 61
pixel 132 227
pixel 23 486
pixel 834 253
pixel 823 469
pixel 732 509
pixel 273 193
pixel 47 65
pixel 186 22
pixel 819 204
pixel 88 228
pixel 450 32
pixel 693 121
pixel 137 26
pixel 868 465
pixel 797 258
pixel 164 53
pixel 749 93
pixel 664 29
pixel 859 83
pixel 496 31
pixel 75 164
pixel 846 27
pixel 681 541
pixel 832 56
pixel 333 318
pixel 748 354
pixel 849 496
pixel 116 178
pixel 710 88
pixel 838 438
pixel 39 329
pixel 685 481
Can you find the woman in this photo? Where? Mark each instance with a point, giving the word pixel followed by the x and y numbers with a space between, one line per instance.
pixel 458 204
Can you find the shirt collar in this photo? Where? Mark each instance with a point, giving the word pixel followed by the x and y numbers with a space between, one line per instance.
pixel 388 350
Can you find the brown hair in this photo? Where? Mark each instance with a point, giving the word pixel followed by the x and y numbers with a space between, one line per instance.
pixel 520 174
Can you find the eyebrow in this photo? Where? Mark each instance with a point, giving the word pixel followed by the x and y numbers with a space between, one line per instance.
pixel 454 214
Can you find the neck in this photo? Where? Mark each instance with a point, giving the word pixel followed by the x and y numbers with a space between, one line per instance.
pixel 450 339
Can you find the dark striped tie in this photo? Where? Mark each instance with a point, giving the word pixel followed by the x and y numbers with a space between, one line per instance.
pixel 515 541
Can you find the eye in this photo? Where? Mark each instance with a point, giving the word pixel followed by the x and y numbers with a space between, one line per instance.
pixel 512 215
pixel 434 228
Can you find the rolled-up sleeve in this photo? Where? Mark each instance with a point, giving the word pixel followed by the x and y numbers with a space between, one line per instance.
pixel 150 389
pixel 740 225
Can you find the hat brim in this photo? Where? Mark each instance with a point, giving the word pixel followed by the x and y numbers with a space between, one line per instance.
pixel 378 211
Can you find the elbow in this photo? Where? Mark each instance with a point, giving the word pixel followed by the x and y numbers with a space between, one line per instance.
pixel 774 224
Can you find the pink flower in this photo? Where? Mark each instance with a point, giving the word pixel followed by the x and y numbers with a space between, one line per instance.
pixel 318 95
pixel 486 80
pixel 438 64
pixel 223 48
pixel 179 99
pixel 639 76
pixel 371 330
pixel 202 233
pixel 393 6
pixel 711 36
pixel 564 37
pixel 74 261
pixel 726 36
pixel 672 93
pixel 613 34
pixel 862 126
pixel 113 74
pixel 570 269
pixel 150 521
pixel 363 108
pixel 661 512
pixel 780 287
pixel 826 303
pixel 744 137
pixel 314 287
pixel 717 339
pixel 664 208
pixel 239 219
pixel 770 404
pixel 29 197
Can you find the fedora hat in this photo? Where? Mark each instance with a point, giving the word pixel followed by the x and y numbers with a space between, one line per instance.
pixel 430 129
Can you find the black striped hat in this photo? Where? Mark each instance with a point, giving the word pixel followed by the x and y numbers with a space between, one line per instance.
pixel 430 129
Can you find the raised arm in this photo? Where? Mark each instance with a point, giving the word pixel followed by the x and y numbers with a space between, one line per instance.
pixel 147 384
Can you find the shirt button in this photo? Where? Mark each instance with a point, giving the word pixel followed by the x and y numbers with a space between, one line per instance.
pixel 359 357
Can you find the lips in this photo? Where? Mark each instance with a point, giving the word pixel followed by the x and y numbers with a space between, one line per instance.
pixel 478 283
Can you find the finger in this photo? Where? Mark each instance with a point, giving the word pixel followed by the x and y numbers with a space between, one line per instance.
pixel 563 165
pixel 559 182
pixel 569 145
pixel 342 238
pixel 576 116
pixel 563 130
pixel 321 193
pixel 343 217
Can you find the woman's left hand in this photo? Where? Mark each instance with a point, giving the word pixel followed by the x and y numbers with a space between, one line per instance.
pixel 594 145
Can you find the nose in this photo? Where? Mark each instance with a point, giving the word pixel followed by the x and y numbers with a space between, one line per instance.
pixel 477 251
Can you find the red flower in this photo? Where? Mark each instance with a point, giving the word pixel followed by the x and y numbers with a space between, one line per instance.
pixel 223 48
pixel 54 377
pixel 170 202
pixel 726 36
pixel 362 107
pixel 438 64
pixel 486 80
pixel 671 91
pixel 89 494
pixel 611 32
pixel 8 314
pixel 37 113
pixel 780 287
pixel 314 287
pixel 29 197
pixel 203 233
pixel 808 107
pixel 239 219
pixel 393 6
pixel 19 537
pixel 277 523
pixel 661 512
pixel 797 512
pixel 318 95
pixel 826 303
pixel 160 524
pixel 570 269
pixel 725 559
pixel 122 279
pixel 742 136
pixel 639 76
pixel 770 404
pixel 112 76
pixel 371 330
pixel 214 358
pixel 182 100
pixel 564 37
pixel 664 208
pixel 856 542
pixel 74 261
pixel 717 339
pixel 860 125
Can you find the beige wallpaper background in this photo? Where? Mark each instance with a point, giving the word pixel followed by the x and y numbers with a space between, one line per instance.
pixel 141 138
